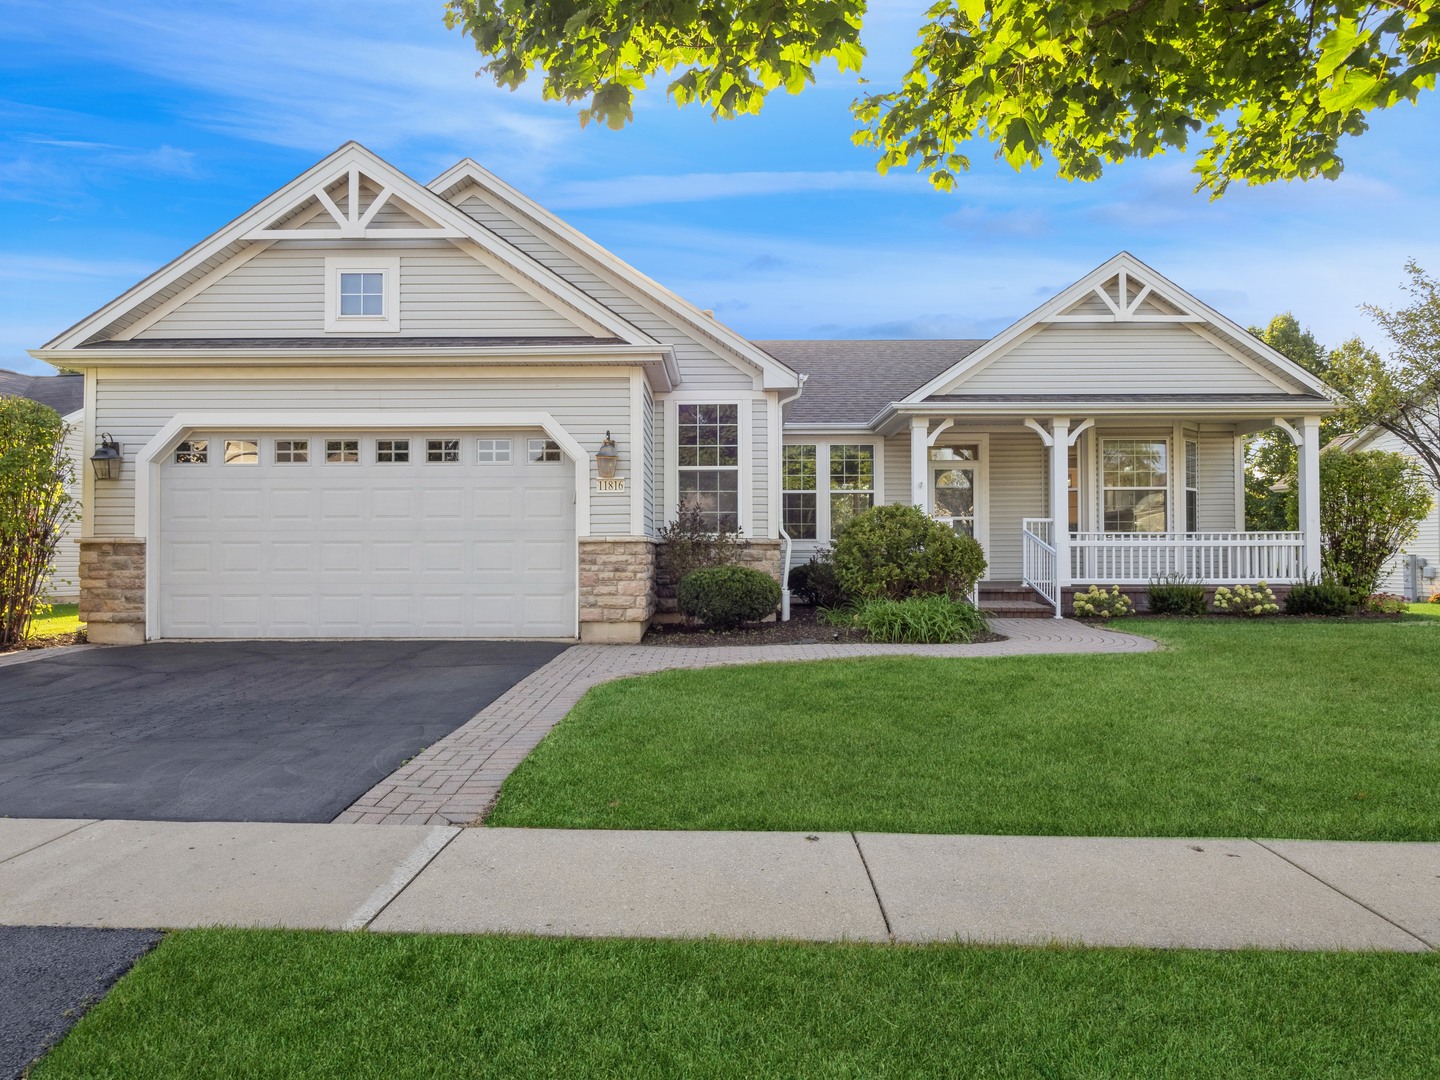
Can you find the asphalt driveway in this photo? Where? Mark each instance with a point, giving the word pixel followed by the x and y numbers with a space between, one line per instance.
pixel 236 731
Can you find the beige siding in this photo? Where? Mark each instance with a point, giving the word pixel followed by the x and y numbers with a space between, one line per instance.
pixel 650 455
pixel 1123 358
pixel 657 464
pixel 135 409
pixel 760 468
pixel 281 293
pixel 701 367
pixel 1017 489
pixel 1217 489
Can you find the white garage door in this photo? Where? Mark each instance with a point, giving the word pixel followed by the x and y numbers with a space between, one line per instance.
pixel 410 534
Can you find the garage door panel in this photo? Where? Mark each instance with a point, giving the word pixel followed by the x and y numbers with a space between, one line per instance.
pixel 363 549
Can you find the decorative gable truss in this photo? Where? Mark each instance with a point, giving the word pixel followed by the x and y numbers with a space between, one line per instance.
pixel 1074 345
pixel 354 206
pixel 350 195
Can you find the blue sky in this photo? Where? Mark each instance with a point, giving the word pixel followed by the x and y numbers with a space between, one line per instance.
pixel 130 131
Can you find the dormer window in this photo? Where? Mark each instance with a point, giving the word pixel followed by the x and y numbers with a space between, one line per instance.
pixel 362 295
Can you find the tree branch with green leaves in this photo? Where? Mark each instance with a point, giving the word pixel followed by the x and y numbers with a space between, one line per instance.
pixel 1264 90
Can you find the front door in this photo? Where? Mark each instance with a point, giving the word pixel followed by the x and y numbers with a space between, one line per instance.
pixel 959 498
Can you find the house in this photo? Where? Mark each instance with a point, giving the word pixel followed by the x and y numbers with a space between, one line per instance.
pixel 372 407
pixel 1415 572
pixel 66 395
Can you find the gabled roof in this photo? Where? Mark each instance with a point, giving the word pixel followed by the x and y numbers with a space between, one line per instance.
pixel 1144 295
pixel 307 199
pixel 63 393
pixel 776 375
pixel 848 382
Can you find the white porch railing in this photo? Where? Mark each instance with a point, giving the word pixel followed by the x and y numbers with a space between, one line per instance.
pixel 1216 558
pixel 1037 556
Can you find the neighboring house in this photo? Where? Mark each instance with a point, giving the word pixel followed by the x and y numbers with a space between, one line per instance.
pixel 373 408
pixel 1415 573
pixel 66 395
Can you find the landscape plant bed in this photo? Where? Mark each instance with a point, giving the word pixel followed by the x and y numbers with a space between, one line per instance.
pixel 804 628
pixel 295 1004
pixel 1238 727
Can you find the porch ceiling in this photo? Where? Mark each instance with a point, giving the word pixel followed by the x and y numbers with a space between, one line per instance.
pixel 1169 406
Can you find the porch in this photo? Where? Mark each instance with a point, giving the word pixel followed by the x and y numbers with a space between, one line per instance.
pixel 1139 498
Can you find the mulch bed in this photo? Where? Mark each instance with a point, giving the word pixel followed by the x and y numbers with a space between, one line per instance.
pixel 54 641
pixel 802 629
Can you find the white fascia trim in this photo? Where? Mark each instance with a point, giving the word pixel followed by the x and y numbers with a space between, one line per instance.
pixel 352 154
pixel 353 420
pixel 775 375
pixel 1021 409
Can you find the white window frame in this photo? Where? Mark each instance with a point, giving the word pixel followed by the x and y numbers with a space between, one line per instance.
pixel 813 491
pixel 1190 485
pixel 501 451
pixel 824 532
pixel 458 450
pixel 408 451
pixel 292 440
pixel 546 446
pixel 831 491
pixel 253 440
pixel 981 467
pixel 386 323
pixel 1168 488
pixel 326 451
pixel 192 452
pixel 748 401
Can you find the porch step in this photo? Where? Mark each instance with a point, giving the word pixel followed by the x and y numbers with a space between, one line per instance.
pixel 1016 609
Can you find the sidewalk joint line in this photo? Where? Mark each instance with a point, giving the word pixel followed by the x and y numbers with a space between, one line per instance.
pixel 1354 900
pixel 356 923
pixel 884 915
pixel 43 843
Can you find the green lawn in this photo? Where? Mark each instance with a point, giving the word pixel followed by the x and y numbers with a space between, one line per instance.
pixel 1427 609
pixel 260 1004
pixel 56 619
pixel 1281 728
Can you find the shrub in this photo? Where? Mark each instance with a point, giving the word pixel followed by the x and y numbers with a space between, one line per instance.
pixel 894 552
pixel 1370 504
pixel 1319 598
pixel 1096 603
pixel 690 542
pixel 1245 600
pixel 915 620
pixel 1176 596
pixel 723 597
pixel 1384 603
pixel 1435 598
pixel 35 507
pixel 816 583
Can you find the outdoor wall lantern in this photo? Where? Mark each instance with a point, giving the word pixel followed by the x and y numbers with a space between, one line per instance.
pixel 106 459
pixel 606 459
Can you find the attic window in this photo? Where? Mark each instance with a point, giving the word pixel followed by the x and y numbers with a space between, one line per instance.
pixel 362 295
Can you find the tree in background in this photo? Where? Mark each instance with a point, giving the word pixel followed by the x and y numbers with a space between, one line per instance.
pixel 1401 395
pixel 1370 503
pixel 1270 456
pixel 35 507
pixel 1266 90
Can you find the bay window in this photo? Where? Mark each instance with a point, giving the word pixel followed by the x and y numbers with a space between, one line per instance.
pixel 1136 476
pixel 708 462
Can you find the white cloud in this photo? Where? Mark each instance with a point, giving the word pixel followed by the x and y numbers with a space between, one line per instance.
pixel 649 190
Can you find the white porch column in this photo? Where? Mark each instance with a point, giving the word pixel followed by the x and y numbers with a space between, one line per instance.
pixel 1060 497
pixel 1309 484
pixel 920 462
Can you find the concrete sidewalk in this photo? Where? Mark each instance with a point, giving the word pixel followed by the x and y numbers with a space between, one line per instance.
pixel 1166 893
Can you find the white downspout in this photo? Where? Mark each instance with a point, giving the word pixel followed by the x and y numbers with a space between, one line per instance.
pixel 785 541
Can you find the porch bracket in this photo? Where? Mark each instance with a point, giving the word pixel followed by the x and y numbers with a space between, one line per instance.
pixel 940 429
pixel 1289 429
pixel 1084 426
pixel 1039 429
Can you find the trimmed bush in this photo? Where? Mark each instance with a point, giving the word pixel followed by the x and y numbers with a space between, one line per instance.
pixel 1176 596
pixel 1245 600
pixel 1371 503
pixel 691 541
pixel 1319 598
pixel 895 552
pixel 816 583
pixel 1385 603
pixel 1096 603
pixel 723 597
pixel 934 620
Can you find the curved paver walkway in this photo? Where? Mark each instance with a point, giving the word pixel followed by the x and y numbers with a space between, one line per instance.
pixel 454 781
